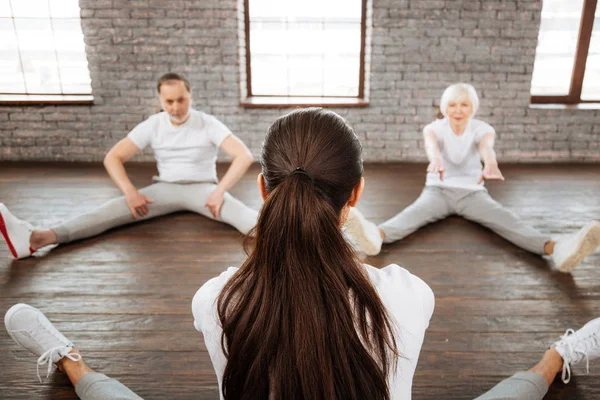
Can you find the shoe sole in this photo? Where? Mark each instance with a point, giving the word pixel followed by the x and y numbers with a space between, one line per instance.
pixel 9 314
pixel 585 248
pixel 4 232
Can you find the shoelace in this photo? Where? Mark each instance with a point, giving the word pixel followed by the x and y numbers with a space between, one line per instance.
pixel 47 357
pixel 566 372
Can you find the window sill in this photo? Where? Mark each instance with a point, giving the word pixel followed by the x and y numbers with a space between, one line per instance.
pixel 285 102
pixel 32 99
pixel 557 106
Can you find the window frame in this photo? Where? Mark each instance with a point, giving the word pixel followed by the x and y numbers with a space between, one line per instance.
pixel 250 100
pixel 581 54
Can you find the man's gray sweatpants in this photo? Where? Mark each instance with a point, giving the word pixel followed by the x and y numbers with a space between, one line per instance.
pixel 436 203
pixel 521 386
pixel 167 198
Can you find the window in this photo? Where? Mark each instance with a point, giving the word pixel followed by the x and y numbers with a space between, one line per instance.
pixel 305 52
pixel 567 61
pixel 42 53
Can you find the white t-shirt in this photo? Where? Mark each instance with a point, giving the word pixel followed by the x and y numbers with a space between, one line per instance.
pixel 462 162
pixel 407 298
pixel 184 153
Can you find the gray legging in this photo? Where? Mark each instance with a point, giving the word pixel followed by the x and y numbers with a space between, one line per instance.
pixel 96 386
pixel 168 198
pixel 436 203
pixel 521 386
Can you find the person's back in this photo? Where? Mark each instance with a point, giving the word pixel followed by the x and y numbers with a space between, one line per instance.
pixel 407 298
pixel 302 318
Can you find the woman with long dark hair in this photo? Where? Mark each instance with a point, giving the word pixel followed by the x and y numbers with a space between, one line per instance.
pixel 302 318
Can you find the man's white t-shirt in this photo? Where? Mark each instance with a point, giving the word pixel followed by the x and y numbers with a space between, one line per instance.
pixel 184 153
pixel 409 301
pixel 462 162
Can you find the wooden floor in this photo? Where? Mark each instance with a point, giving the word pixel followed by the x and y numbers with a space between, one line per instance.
pixel 124 298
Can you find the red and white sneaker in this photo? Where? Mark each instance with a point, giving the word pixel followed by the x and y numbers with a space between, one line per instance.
pixel 16 233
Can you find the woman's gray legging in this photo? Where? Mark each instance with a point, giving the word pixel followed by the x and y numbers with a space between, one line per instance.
pixel 521 386
pixel 96 386
pixel 436 203
pixel 167 198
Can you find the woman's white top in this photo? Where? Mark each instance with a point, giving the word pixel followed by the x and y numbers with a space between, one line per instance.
pixel 407 298
pixel 462 162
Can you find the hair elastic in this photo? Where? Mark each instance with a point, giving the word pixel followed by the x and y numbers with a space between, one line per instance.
pixel 302 171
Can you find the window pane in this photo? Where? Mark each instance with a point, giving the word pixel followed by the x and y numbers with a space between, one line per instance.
pixel 30 8
pixel 292 9
pixel 5 8
pixel 36 44
pixel 11 76
pixel 70 51
pixel 294 46
pixel 268 38
pixel 64 8
pixel 338 70
pixel 341 38
pixel 8 44
pixel 306 75
pixel 269 75
pixel 591 79
pixel 39 54
pixel 76 88
pixel 557 43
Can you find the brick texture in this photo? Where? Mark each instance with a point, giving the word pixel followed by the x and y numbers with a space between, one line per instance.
pixel 418 47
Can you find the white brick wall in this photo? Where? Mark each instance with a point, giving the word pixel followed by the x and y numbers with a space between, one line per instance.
pixel 418 48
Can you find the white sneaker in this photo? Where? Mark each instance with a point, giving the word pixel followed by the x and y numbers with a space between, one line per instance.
pixel 30 329
pixel 576 346
pixel 570 251
pixel 16 233
pixel 365 233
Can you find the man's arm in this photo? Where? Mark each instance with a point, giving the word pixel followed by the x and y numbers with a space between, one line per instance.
pixel 432 148
pixel 241 161
pixel 488 155
pixel 114 162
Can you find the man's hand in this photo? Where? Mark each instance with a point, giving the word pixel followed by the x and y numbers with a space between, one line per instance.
pixel 436 167
pixel 137 203
pixel 491 171
pixel 215 201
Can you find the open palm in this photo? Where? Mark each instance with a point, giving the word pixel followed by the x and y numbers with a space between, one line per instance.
pixel 491 172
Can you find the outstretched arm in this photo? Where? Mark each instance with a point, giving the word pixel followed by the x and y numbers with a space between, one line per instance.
pixel 114 162
pixel 488 155
pixel 242 159
pixel 432 148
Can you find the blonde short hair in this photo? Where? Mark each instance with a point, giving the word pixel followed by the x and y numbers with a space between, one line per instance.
pixel 457 90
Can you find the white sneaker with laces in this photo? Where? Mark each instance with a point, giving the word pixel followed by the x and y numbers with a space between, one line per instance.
pixel 576 346
pixel 16 233
pixel 365 233
pixel 570 251
pixel 30 329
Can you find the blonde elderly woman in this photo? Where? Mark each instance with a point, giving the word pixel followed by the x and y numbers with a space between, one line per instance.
pixel 456 146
